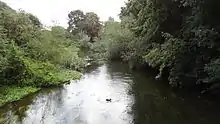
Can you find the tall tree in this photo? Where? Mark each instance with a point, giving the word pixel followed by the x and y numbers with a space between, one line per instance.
pixel 92 25
pixel 76 21
pixel 88 23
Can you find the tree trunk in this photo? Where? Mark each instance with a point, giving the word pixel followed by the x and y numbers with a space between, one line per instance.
pixel 91 40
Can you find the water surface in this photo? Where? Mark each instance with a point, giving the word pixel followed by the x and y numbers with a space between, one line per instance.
pixel 137 98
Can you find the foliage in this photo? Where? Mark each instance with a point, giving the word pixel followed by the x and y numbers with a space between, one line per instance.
pixel 76 21
pixel 55 47
pixel 18 27
pixel 92 25
pixel 11 66
pixel 213 70
pixel 114 40
pixel 32 57
pixel 178 37
pixel 13 93
pixel 44 74
pixel 164 55
pixel 4 6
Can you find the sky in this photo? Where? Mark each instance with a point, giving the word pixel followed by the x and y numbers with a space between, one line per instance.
pixel 52 12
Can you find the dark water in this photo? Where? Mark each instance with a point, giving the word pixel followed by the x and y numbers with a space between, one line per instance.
pixel 136 99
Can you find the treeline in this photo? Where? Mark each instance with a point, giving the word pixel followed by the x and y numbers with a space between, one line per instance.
pixel 32 57
pixel 180 38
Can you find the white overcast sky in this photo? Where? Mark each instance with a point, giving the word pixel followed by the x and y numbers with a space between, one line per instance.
pixel 57 10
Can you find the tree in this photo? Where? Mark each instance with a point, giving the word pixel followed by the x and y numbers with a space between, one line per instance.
pixel 34 20
pixel 76 21
pixel 88 23
pixel 111 19
pixel 20 26
pixel 92 25
pixel 4 6
pixel 179 37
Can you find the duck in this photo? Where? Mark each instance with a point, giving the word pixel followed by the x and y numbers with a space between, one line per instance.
pixel 158 77
pixel 109 100
pixel 88 64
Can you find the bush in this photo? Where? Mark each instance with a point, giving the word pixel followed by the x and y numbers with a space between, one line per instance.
pixel 10 64
pixel 44 74
pixel 13 93
pixel 114 43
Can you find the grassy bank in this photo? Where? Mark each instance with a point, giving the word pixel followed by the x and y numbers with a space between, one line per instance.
pixel 36 75
pixel 14 93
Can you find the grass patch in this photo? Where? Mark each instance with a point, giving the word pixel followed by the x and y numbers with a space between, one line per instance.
pixel 14 93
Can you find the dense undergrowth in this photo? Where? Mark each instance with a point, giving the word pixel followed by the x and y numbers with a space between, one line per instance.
pixel 32 57
pixel 179 38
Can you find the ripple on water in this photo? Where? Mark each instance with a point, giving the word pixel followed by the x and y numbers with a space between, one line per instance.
pixel 136 99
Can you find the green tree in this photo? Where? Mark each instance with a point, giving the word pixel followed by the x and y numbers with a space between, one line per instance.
pixel 20 27
pixel 36 22
pixel 189 25
pixel 4 6
pixel 88 24
pixel 76 21
pixel 92 25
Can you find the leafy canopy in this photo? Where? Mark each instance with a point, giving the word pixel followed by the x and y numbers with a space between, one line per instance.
pixel 88 23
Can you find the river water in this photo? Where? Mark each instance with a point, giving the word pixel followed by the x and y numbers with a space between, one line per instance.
pixel 136 98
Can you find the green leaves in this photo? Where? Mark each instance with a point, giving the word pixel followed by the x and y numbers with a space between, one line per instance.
pixel 13 93
pixel 32 56
pixel 166 54
pixel 18 26
pixel 213 70
pixel 179 35
pixel 56 47
pixel 44 74
pixel 76 21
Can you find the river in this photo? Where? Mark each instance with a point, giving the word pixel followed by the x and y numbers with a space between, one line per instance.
pixel 136 98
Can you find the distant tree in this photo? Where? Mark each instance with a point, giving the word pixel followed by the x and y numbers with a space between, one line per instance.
pixel 34 20
pixel 5 6
pixel 92 25
pixel 59 31
pixel 88 23
pixel 111 19
pixel 76 21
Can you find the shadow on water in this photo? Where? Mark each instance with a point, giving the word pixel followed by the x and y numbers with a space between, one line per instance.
pixel 157 103
pixel 16 112
pixel 137 98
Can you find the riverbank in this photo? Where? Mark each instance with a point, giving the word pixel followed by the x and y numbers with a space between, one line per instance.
pixel 10 94
pixel 33 57
pixel 14 92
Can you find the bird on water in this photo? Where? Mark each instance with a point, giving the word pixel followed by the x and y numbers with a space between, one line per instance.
pixel 108 100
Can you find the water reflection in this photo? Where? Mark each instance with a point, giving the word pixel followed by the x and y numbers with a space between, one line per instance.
pixel 81 102
pixel 136 99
